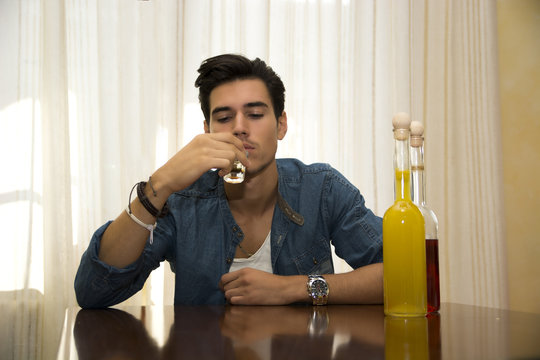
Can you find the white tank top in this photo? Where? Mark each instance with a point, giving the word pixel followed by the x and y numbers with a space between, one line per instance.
pixel 261 260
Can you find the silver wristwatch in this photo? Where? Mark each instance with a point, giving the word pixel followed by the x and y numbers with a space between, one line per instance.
pixel 317 289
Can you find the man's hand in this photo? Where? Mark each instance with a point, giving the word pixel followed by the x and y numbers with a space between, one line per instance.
pixel 124 240
pixel 255 287
pixel 204 152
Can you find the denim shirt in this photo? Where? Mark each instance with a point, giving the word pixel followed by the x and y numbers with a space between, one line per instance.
pixel 316 206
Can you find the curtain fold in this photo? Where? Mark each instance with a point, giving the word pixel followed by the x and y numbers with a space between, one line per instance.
pixel 58 255
pixel 97 94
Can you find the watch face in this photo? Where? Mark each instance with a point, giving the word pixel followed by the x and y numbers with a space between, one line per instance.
pixel 319 288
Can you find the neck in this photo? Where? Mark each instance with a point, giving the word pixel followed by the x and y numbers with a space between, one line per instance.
pixel 402 170
pixel 417 175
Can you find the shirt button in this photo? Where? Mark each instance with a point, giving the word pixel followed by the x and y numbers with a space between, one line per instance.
pixel 315 261
pixel 240 234
pixel 234 229
pixel 228 260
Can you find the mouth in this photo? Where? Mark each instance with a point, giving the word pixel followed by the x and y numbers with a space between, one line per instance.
pixel 248 147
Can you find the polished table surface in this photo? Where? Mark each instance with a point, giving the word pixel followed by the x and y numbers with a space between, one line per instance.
pixel 297 332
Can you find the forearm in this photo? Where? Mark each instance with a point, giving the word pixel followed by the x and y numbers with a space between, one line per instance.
pixel 99 285
pixel 361 286
pixel 254 287
pixel 124 240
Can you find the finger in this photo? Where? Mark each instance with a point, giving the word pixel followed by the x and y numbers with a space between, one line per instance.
pixel 240 152
pixel 236 296
pixel 227 279
pixel 220 285
pixel 224 158
pixel 220 159
pixel 222 173
pixel 231 285
pixel 237 300
pixel 228 138
pixel 233 153
pixel 244 158
pixel 225 283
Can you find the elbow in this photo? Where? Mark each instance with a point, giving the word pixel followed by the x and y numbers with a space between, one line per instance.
pixel 85 299
pixel 86 295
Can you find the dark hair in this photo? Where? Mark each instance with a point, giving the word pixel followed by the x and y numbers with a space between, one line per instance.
pixel 225 68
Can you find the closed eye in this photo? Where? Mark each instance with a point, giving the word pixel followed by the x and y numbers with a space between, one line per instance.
pixel 223 119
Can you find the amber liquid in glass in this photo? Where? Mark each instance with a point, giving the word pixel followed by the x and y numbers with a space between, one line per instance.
pixel 432 269
pixel 237 174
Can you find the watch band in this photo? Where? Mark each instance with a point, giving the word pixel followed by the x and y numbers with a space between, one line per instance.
pixel 317 289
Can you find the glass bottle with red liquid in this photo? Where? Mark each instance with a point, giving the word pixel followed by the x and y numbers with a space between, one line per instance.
pixel 418 188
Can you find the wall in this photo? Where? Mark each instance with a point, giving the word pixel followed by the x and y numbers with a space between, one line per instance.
pixel 519 66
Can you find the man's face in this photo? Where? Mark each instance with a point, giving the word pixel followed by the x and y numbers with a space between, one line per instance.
pixel 244 108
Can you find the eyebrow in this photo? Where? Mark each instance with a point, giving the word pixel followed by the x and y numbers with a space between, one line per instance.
pixel 248 105
pixel 256 104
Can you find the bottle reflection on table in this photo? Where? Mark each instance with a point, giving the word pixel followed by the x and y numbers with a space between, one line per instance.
pixel 434 336
pixel 406 338
pixel 413 338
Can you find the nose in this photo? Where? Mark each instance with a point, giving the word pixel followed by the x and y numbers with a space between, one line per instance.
pixel 241 126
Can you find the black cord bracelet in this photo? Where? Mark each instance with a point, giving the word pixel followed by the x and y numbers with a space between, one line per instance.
pixel 147 204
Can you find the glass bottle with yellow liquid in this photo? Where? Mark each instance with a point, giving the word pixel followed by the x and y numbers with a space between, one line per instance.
pixel 404 249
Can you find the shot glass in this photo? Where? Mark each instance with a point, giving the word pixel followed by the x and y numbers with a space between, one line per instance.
pixel 237 174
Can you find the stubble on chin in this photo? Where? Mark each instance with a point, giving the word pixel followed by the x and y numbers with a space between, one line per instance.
pixel 260 170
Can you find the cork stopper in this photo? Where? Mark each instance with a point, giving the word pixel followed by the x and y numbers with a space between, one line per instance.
pixel 401 122
pixel 417 132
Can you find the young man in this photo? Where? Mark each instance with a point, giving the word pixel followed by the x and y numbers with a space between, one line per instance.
pixel 249 243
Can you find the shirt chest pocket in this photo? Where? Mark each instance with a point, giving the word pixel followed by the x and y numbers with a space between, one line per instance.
pixel 316 259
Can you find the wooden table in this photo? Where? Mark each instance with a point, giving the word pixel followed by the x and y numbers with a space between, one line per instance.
pixel 297 332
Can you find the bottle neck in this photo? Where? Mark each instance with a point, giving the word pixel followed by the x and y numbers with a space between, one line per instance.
pixel 418 186
pixel 402 169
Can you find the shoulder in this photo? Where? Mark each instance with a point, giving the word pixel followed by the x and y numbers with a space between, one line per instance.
pixel 319 180
pixel 294 170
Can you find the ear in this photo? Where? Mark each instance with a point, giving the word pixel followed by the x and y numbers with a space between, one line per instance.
pixel 282 126
pixel 206 127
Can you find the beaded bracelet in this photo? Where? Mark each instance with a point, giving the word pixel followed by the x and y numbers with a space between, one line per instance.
pixel 165 209
pixel 147 204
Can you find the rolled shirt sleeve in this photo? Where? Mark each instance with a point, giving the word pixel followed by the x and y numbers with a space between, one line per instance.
pixel 99 285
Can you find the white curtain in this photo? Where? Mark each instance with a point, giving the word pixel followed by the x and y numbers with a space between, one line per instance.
pixel 96 94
